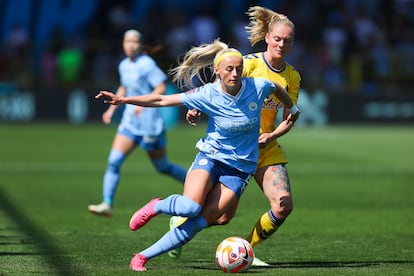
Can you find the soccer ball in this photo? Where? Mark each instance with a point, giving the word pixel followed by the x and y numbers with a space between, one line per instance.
pixel 234 254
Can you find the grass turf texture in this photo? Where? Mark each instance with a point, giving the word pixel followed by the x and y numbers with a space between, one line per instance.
pixel 353 193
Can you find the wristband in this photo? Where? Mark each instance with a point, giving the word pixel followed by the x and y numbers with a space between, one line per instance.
pixel 294 109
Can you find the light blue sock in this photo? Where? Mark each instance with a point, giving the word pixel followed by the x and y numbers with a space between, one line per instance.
pixel 176 237
pixel 178 205
pixel 162 165
pixel 112 175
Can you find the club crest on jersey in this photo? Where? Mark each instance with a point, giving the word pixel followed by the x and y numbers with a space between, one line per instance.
pixel 252 106
pixel 203 162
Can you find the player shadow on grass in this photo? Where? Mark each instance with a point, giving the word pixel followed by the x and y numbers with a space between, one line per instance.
pixel 336 264
pixel 36 236
pixel 315 264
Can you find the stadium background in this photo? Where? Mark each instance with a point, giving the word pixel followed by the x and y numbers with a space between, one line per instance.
pixel 356 57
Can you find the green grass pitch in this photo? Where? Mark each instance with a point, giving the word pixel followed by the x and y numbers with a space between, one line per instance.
pixel 353 190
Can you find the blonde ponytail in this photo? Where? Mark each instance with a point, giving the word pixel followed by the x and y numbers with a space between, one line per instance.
pixel 261 20
pixel 196 61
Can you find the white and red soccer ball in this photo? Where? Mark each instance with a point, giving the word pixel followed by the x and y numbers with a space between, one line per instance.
pixel 234 254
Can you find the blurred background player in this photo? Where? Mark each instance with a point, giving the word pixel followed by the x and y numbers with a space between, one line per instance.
pixel 271 175
pixel 143 127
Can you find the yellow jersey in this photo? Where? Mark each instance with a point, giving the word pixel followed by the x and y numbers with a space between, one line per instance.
pixel 255 65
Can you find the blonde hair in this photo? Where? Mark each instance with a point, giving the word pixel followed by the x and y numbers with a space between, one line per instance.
pixel 261 20
pixel 197 61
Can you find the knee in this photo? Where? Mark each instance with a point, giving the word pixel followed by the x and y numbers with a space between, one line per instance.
pixel 223 220
pixel 228 215
pixel 286 210
pixel 282 207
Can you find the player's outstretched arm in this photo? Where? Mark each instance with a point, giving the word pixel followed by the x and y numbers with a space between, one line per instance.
pixel 150 100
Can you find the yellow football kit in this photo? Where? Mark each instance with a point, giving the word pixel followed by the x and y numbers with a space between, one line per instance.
pixel 255 65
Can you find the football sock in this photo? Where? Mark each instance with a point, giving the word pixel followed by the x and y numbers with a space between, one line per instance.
pixel 178 205
pixel 176 237
pixel 162 165
pixel 267 224
pixel 112 175
pixel 179 220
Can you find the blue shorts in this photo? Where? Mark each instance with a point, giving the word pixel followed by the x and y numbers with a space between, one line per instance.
pixel 219 172
pixel 146 142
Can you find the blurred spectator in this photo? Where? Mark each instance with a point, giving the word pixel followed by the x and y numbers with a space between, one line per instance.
pixel 17 42
pixel 380 54
pixel 239 36
pixel 405 54
pixel 4 67
pixel 405 8
pixel 334 77
pixel 179 35
pixel 17 55
pixel 364 28
pixel 119 17
pixel 48 65
pixel 360 42
pixel 48 59
pixel 102 57
pixel 335 36
pixel 103 73
pixel 205 26
pixel 69 62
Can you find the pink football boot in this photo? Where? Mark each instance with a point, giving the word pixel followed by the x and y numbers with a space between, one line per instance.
pixel 138 262
pixel 143 215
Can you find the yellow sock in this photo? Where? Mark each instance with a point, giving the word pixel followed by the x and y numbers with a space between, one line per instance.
pixel 263 229
pixel 176 221
pixel 181 220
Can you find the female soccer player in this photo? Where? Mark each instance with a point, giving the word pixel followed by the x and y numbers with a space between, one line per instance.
pixel 143 127
pixel 271 174
pixel 227 155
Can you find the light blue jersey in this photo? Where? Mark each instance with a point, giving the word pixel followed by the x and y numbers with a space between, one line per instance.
pixel 233 123
pixel 139 77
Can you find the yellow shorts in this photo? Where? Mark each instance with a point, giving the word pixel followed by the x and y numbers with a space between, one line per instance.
pixel 271 154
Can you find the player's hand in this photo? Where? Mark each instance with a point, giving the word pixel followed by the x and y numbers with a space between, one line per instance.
pixel 193 116
pixel 264 138
pixel 109 97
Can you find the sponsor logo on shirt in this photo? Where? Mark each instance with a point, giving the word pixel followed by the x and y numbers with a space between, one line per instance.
pixel 236 126
pixel 270 104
